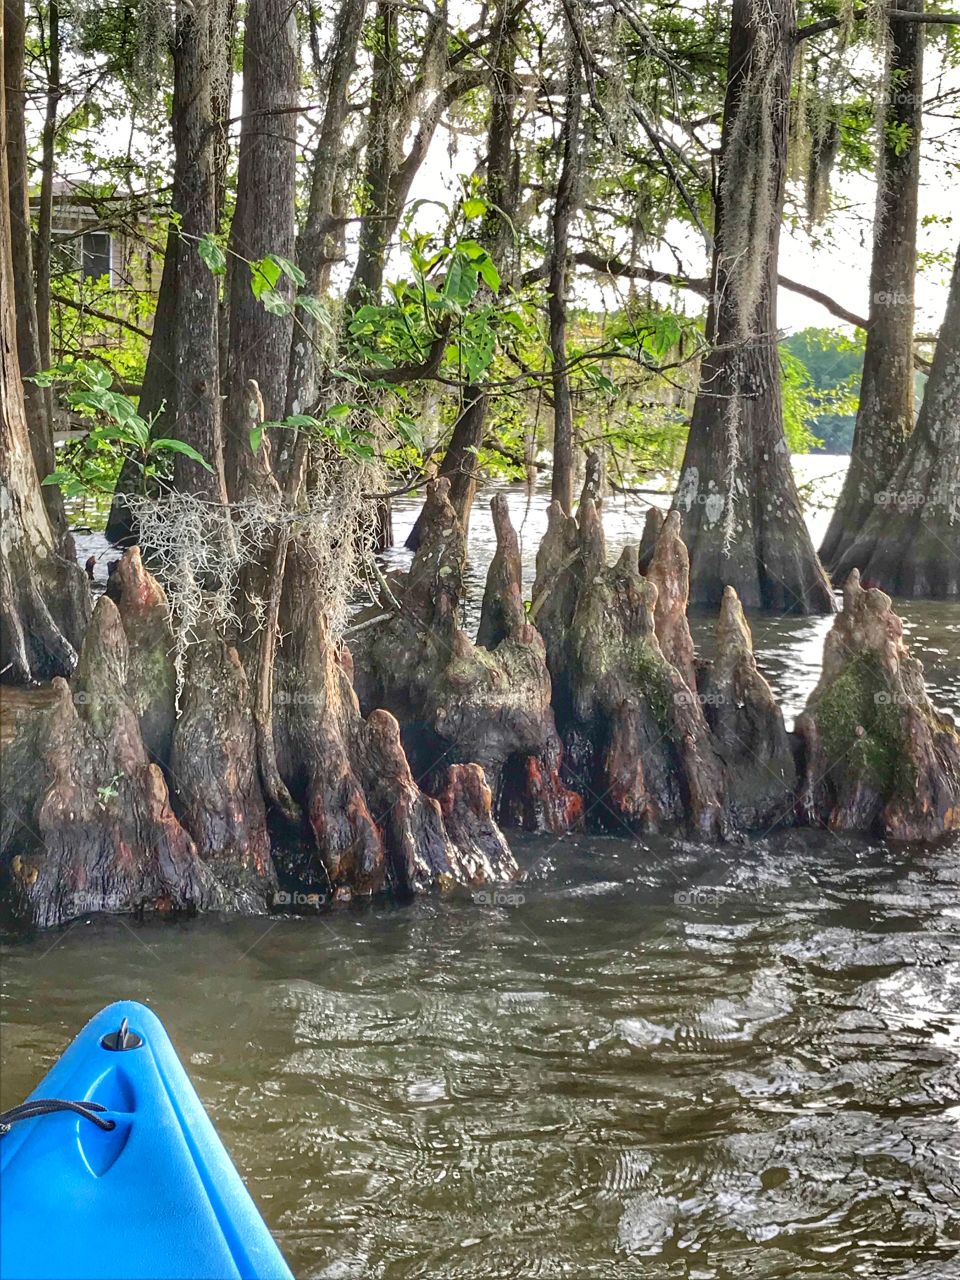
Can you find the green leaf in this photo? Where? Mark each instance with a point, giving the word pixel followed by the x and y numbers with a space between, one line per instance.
pixel 340 410
pixel 474 207
pixel 275 303
pixel 300 420
pixel 289 269
pixel 461 282
pixel 256 435
pixel 489 273
pixel 116 434
pixel 165 445
pixel 313 306
pixel 263 275
pixel 211 253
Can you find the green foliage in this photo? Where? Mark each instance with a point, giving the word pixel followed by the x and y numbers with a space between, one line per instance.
pixel 333 426
pixel 118 433
pixel 821 370
pixel 898 137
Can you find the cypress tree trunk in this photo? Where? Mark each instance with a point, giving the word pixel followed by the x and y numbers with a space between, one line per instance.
pixel 502 190
pixel 318 240
pixel 38 401
pixel 44 603
pixel 910 546
pixel 563 211
pixel 198 420
pixel 202 42
pixel 45 211
pixel 886 414
pixel 158 394
pixel 742 517
pixel 381 158
pixel 263 222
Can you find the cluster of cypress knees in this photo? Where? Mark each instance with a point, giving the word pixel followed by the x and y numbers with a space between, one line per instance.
pixel 405 754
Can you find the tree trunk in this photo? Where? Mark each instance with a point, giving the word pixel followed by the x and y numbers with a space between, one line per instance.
pixel 158 394
pixel 37 400
pixel 45 211
pixel 263 222
pixel 318 239
pixel 394 107
pixel 380 158
pixel 563 212
pixel 910 546
pixel 878 757
pixel 213 26
pixel 44 602
pixel 458 700
pixel 197 366
pixel 885 415
pixel 742 518
pixel 496 235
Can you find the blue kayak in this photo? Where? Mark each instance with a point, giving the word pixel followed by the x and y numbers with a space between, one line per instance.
pixel 111 1170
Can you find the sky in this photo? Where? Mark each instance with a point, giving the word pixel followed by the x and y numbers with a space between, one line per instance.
pixel 838 261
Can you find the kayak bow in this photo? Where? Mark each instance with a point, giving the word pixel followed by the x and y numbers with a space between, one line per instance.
pixel 112 1170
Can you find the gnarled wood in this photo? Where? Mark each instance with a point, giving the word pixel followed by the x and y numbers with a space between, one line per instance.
pixel 213 767
pixel 152 676
pixel 878 756
pixel 109 839
pixel 459 701
pixel 760 773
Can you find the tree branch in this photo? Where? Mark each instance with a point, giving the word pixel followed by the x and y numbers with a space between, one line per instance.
pixel 100 315
pixel 892 15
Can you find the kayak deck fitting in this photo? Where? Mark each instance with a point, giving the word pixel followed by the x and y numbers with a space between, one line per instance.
pixel 112 1170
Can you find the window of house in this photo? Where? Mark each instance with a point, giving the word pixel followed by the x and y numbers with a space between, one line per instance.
pixel 97 255
pixel 91 253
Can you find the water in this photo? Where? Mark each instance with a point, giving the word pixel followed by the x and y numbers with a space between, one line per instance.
pixel 656 1059
pixel 667 1060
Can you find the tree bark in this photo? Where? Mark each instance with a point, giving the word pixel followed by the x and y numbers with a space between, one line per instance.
pixel 44 601
pixel 742 518
pixel 198 420
pixel 387 173
pixel 47 164
pixel 461 701
pixel 564 210
pixel 263 222
pixel 158 394
pixel 878 757
pixel 381 158
pixel 910 545
pixel 37 400
pixel 318 238
pixel 885 415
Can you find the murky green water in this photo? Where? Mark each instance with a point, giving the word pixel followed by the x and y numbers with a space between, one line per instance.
pixel 667 1059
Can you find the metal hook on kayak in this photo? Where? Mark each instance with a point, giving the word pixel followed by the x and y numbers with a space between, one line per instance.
pixel 122 1039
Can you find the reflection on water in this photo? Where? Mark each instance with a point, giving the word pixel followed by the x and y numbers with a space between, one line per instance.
pixel 666 1059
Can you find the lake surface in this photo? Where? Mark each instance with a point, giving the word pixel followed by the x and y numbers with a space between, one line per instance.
pixel 658 1059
